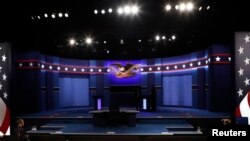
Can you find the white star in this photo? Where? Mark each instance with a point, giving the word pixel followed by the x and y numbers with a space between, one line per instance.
pixel 20 64
pixel 229 59
pixel 58 68
pixel 199 63
pixel 209 60
pixel 167 67
pixel 184 66
pixel 50 67
pixel 247 38
pixel 1 86
pixel 107 70
pixel 175 67
pixel 0 47
pixel 5 95
pixel 66 69
pixel 158 68
pixel 74 69
pixel 150 69
pixel 0 69
pixel 217 59
pixel 247 61
pixel 241 50
pixel 141 69
pixel 100 70
pixel 247 81
pixel 4 58
pixel 206 61
pixel 42 66
pixel 241 71
pixel 31 64
pixel 191 64
pixel 240 92
pixel 4 77
pixel 91 70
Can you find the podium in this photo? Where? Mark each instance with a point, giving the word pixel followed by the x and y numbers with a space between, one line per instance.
pixel 98 99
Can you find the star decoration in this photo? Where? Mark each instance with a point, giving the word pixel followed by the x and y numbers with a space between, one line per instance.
pixel 4 77
pixel 66 69
pixel 167 67
pixel 84 70
pixel 74 69
pixel 217 59
pixel 247 61
pixel 241 72
pixel 229 59
pixel 175 67
pixel 20 64
pixel 31 64
pixel 1 86
pixel 241 50
pixel 247 38
pixel 5 95
pixel 191 64
pixel 42 66
pixel 50 67
pixel 240 92
pixel 141 69
pixel 4 58
pixel 184 66
pixel 150 69
pixel 199 63
pixel 58 68
pixel 247 81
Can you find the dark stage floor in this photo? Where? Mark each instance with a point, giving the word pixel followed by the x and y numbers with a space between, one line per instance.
pixel 165 121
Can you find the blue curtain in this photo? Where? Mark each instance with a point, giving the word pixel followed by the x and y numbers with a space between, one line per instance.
pixel 177 90
pixel 74 92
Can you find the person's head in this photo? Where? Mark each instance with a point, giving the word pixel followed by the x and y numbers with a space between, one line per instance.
pixel 20 122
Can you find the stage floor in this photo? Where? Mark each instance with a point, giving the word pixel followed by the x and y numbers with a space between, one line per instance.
pixel 162 112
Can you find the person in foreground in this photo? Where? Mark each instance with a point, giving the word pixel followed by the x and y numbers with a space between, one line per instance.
pixel 19 132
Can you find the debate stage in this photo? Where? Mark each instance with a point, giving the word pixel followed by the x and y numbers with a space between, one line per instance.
pixel 166 121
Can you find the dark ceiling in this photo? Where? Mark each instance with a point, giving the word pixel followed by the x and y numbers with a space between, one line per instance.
pixel 194 31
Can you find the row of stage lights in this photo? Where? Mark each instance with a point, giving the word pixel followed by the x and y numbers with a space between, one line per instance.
pixel 53 16
pixel 89 40
pixel 134 9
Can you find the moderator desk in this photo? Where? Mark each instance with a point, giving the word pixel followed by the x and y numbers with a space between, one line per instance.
pixel 104 118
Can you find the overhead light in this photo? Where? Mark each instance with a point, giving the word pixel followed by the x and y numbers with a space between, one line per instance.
pixel 96 11
pixel 110 10
pixel 135 9
pixel 120 10
pixel 60 15
pixel 157 37
pixel 103 11
pixel 53 15
pixel 173 37
pixel 66 15
pixel 72 41
pixel 88 40
pixel 189 6
pixel 168 7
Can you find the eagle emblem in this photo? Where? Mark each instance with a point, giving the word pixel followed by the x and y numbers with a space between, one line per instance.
pixel 126 71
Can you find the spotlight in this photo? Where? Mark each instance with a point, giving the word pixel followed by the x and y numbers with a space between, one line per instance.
pixel 182 7
pixel 46 15
pixel 176 7
pixel 103 11
pixel 189 6
pixel 96 11
pixel 66 15
pixel 88 40
pixel 173 37
pixel 120 10
pixel 53 15
pixel 208 7
pixel 60 15
pixel 127 9
pixel 157 37
pixel 200 8
pixel 135 9
pixel 110 10
pixel 168 7
pixel 72 41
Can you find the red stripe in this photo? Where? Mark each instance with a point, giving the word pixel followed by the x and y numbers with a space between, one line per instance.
pixel 237 112
pixel 6 122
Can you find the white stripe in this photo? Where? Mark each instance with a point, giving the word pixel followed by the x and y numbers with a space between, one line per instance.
pixel 245 109
pixel 3 111
pixel 8 131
